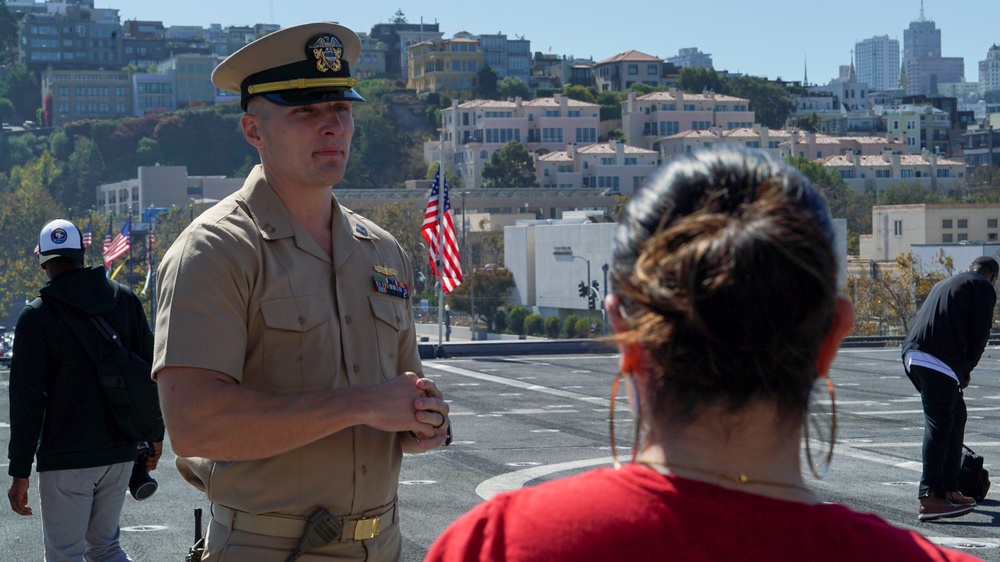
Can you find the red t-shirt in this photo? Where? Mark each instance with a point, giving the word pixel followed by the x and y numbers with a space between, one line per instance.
pixel 637 514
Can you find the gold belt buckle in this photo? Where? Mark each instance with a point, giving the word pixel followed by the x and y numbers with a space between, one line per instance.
pixel 366 528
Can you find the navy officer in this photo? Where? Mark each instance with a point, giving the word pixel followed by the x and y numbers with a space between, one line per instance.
pixel 285 356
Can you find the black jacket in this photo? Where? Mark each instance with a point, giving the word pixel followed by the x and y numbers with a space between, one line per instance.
pixel 58 411
pixel 954 322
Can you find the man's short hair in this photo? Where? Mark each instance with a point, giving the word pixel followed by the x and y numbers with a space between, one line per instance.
pixel 985 265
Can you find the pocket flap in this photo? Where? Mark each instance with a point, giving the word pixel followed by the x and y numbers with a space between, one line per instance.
pixel 387 310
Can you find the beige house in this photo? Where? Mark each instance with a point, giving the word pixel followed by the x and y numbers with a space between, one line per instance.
pixel 647 119
pixel 444 65
pixel 161 186
pixel 895 228
pixel 617 73
pixel 612 166
pixel 876 173
pixel 476 129
pixel 71 95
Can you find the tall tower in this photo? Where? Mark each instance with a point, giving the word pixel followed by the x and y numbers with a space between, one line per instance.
pixel 876 61
pixel 922 38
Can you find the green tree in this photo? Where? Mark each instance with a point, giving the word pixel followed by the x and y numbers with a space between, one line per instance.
pixel 488 84
pixel 8 35
pixel 61 144
pixel 84 172
pixel 148 153
pixel 698 80
pixel 983 185
pixel 399 17
pixel 511 166
pixel 908 194
pixel 579 93
pixel 20 86
pixel 511 87
pixel 843 201
pixel 492 289
pixel 770 103
pixel 7 112
pixel 810 123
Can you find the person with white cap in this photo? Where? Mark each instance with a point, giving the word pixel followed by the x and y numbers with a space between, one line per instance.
pixel 286 354
pixel 59 414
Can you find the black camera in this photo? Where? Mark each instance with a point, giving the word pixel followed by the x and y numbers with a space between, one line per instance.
pixel 141 485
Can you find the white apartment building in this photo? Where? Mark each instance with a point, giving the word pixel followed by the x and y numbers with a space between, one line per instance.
pixel 876 61
pixel 161 186
pixel 876 173
pixel 989 71
pixel 612 166
pixel 474 130
pixel 897 228
pixel 646 119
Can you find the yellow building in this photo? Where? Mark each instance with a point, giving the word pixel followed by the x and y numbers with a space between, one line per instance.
pixel 445 65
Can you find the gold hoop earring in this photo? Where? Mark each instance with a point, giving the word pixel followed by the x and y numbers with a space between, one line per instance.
pixel 611 422
pixel 821 419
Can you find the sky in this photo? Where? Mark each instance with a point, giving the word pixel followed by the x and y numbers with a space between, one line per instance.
pixel 770 38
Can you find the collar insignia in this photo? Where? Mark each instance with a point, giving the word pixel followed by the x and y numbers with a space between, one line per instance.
pixel 386 270
pixel 327 51
pixel 360 229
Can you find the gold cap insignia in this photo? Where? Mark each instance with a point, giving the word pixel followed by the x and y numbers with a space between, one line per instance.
pixel 327 50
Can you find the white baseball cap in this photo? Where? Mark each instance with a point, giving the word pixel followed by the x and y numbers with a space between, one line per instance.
pixel 60 238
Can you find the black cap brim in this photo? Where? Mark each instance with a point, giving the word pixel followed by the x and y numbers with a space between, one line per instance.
pixel 312 95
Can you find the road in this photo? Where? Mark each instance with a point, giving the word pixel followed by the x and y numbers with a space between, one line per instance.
pixel 522 420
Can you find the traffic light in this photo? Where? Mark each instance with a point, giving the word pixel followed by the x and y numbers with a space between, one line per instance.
pixel 592 300
pixel 583 289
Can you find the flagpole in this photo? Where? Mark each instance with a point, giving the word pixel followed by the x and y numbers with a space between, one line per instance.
pixel 439 263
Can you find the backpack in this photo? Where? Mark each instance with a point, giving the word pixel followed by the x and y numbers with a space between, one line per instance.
pixel 124 376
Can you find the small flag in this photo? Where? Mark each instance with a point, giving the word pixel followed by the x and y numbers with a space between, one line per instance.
pixel 107 238
pixel 120 245
pixel 88 235
pixel 450 261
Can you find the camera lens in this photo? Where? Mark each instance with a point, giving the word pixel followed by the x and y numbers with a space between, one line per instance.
pixel 141 485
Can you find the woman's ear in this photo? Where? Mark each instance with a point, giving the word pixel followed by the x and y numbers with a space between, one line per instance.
pixel 634 359
pixel 843 322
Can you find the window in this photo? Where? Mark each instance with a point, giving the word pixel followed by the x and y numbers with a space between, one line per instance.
pixel 962 223
pixel 651 70
pixel 906 173
pixel 883 173
pixel 773 144
pixel 847 174
pixel 946 238
pixel 897 228
pixel 690 107
pixel 943 173
pixel 962 236
pixel 992 236
pixel 991 223
pixel 586 134
pixel 631 161
pixel 668 128
pixel 552 134
pixel 607 161
pixel 668 107
pixel 946 223
pixel 911 124
pixel 753 144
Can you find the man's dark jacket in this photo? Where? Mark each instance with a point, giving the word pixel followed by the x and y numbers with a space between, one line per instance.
pixel 58 410
pixel 954 322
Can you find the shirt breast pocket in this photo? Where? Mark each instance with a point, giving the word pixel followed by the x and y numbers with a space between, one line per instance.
pixel 390 319
pixel 296 338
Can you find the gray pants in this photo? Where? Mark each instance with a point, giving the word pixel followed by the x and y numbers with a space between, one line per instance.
pixel 80 512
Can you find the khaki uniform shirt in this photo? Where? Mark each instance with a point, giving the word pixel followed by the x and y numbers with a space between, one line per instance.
pixel 246 291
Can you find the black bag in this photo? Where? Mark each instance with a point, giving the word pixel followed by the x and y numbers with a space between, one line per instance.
pixel 124 377
pixel 973 479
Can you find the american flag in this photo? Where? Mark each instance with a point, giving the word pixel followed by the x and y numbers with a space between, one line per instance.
pixel 149 248
pixel 107 238
pixel 88 236
pixel 450 262
pixel 120 245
